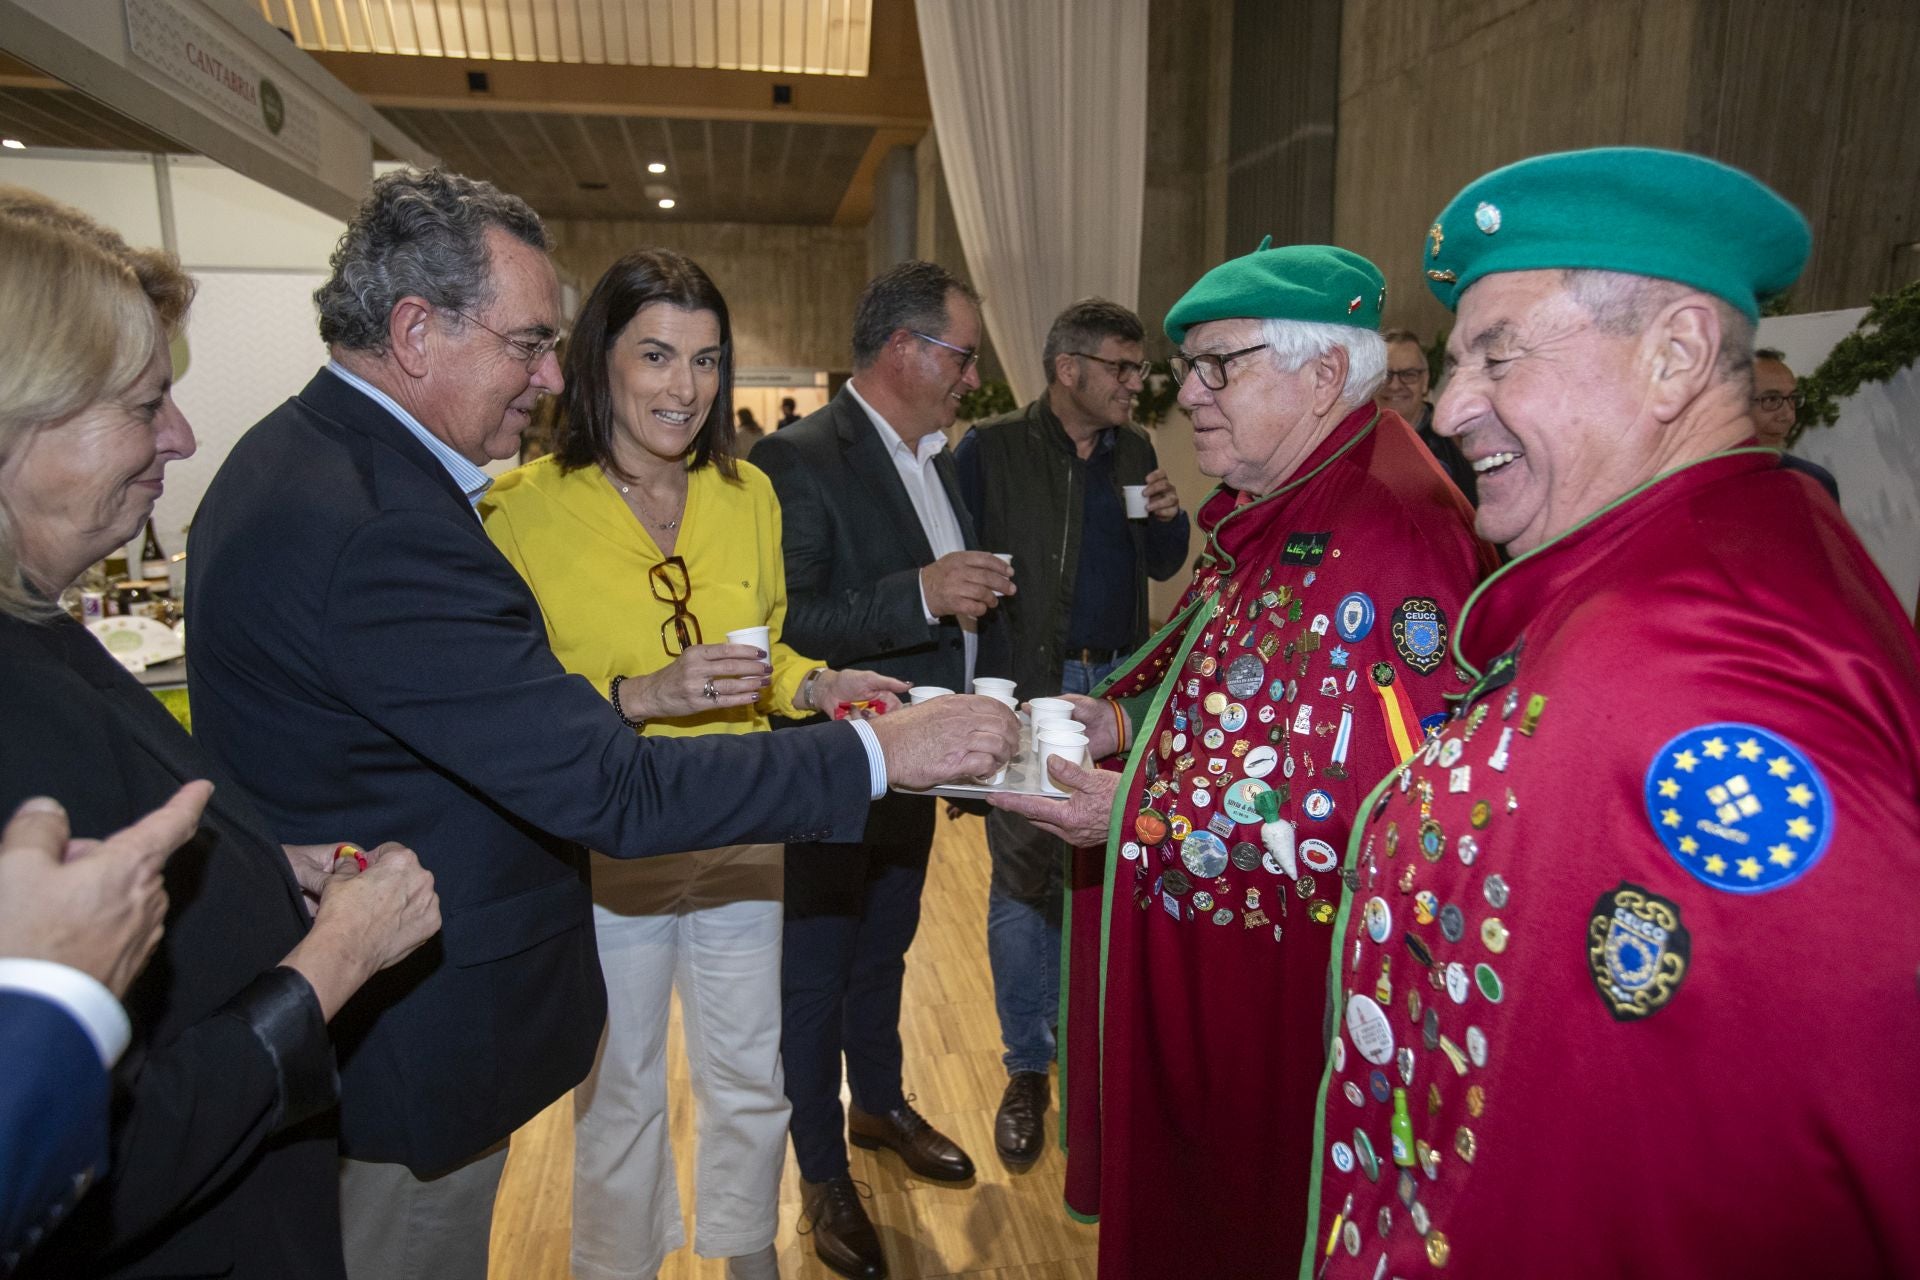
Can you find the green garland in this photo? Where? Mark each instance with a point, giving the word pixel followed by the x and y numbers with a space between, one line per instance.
pixel 988 400
pixel 1151 405
pixel 1886 341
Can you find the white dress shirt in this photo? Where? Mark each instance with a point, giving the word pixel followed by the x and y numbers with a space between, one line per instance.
pixel 79 994
pixel 930 502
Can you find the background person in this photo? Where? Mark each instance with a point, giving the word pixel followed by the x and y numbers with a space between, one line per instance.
pixel 643 500
pixel 360 647
pixel 1776 411
pixel 1404 391
pixel 229 1054
pixel 1045 484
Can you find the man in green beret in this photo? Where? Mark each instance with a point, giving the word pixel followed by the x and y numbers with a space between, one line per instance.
pixel 1295 671
pixel 1653 956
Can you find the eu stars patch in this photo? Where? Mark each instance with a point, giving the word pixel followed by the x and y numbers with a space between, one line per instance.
pixel 1740 807
pixel 1637 951
pixel 1420 633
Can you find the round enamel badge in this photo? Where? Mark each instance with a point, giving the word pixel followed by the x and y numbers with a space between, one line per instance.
pixel 1740 807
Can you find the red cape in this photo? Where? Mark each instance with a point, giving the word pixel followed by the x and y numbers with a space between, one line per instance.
pixel 1657 1017
pixel 1307 648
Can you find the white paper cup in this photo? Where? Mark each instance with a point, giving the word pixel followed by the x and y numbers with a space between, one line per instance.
pixel 760 638
pixel 927 693
pixel 1067 745
pixel 1041 707
pixel 1005 558
pixel 993 686
pixel 1136 495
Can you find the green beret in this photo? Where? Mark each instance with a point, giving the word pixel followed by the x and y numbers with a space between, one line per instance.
pixel 1663 214
pixel 1315 282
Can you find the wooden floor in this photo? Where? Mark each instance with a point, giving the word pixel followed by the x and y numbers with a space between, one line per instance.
pixel 1002 1225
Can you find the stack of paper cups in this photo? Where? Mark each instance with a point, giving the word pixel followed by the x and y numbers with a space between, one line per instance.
pixel 1046 711
pixel 988 687
pixel 1068 741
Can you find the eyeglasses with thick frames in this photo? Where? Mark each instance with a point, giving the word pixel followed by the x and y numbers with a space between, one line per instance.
pixel 1408 377
pixel 1122 369
pixel 532 352
pixel 1211 368
pixel 670 584
pixel 968 356
pixel 1770 401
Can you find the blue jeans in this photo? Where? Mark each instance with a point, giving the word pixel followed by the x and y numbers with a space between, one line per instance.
pixel 1023 917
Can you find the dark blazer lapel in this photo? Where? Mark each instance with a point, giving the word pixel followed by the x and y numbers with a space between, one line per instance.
pixel 866 456
pixel 346 405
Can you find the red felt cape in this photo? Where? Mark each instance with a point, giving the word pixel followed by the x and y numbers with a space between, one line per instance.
pixel 1694 889
pixel 1190 1083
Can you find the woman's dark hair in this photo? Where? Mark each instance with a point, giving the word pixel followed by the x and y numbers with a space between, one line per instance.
pixel 585 434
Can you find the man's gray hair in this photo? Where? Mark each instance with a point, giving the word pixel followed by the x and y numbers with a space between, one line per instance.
pixel 1291 343
pixel 1623 305
pixel 1088 323
pixel 417 234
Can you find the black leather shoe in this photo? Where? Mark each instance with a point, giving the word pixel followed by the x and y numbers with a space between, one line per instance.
pixel 843 1234
pixel 1019 1129
pixel 927 1151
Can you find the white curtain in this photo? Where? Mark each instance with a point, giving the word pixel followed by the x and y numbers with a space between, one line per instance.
pixel 1040 109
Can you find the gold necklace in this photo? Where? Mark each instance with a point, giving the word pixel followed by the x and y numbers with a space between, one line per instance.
pixel 626 491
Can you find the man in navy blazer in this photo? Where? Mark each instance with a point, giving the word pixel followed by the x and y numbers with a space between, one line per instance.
pixel 77 924
pixel 361 655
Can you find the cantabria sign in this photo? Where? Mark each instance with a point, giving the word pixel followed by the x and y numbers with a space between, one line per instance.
pixel 189 51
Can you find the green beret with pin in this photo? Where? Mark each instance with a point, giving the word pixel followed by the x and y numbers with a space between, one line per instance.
pixel 1637 210
pixel 1319 283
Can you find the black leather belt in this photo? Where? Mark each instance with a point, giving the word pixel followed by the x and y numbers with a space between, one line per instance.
pixel 1094 657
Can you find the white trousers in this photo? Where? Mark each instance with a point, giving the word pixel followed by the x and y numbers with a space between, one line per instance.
pixel 708 923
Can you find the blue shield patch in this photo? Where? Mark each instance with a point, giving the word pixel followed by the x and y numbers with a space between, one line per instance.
pixel 1353 619
pixel 1740 807
pixel 1637 951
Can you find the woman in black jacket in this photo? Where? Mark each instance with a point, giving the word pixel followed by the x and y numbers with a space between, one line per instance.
pixel 223 1161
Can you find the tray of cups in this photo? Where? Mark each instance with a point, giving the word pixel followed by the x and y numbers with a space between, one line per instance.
pixel 1025 774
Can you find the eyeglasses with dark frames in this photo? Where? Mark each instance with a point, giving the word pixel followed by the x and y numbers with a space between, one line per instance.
pixel 1122 369
pixel 532 352
pixel 1770 401
pixel 1212 368
pixel 1408 377
pixel 682 630
pixel 968 356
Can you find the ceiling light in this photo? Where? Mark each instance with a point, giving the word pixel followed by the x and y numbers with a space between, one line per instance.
pixel 13 144
pixel 656 167
pixel 666 204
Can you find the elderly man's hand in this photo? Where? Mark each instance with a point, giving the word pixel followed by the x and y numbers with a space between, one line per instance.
pixel 1163 500
pixel 95 905
pixel 1095 715
pixel 946 740
pixel 1083 817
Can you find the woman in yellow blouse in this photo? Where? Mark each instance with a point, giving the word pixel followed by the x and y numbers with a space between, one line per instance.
pixel 645 542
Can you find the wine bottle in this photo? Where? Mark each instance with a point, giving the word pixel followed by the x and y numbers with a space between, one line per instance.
pixel 153 561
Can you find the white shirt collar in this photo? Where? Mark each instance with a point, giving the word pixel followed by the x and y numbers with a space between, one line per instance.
pixel 473 482
pixel 930 444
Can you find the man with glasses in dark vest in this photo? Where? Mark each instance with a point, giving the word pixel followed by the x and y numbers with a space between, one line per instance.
pixel 1050 485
